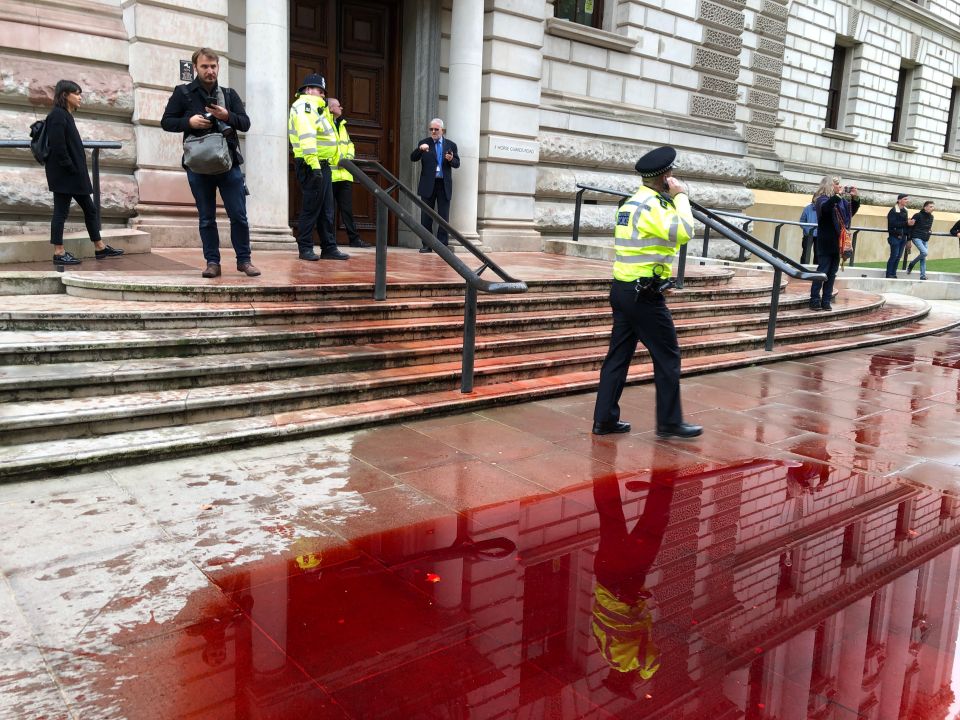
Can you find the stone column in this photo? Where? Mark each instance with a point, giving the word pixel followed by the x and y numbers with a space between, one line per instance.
pixel 463 110
pixel 265 148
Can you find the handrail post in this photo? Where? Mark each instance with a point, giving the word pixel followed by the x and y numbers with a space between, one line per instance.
pixel 743 250
pixel 469 339
pixel 681 266
pixel 776 236
pixel 96 184
pixel 706 242
pixel 774 305
pixel 853 247
pixel 380 262
pixel 576 214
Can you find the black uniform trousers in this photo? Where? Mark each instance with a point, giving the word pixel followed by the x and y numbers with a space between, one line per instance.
pixel 317 189
pixel 343 195
pixel 646 320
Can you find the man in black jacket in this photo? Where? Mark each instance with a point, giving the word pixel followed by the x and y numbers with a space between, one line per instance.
pixel 920 236
pixel 195 109
pixel 897 224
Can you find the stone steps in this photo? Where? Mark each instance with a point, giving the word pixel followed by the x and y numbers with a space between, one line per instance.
pixel 23 382
pixel 368 373
pixel 45 456
pixel 37 248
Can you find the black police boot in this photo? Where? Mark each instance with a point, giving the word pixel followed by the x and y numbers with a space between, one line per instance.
pixel 679 430
pixel 607 428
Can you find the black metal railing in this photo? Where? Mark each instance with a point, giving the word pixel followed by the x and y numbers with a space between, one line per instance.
pixel 855 231
pixel 781 264
pixel 96 146
pixel 474 283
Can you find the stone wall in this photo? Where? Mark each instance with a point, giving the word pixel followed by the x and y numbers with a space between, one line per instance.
pixel 883 37
pixel 41 42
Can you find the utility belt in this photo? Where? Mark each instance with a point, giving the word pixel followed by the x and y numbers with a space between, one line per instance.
pixel 648 288
pixel 322 162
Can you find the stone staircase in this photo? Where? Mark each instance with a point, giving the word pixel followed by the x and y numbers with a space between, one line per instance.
pixel 121 368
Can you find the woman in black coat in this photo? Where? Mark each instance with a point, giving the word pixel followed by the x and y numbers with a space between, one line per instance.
pixel 67 176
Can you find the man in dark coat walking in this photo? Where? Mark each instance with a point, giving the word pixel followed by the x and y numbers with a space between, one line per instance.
pixel 438 157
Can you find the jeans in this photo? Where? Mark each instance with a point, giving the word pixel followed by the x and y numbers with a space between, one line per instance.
pixel 61 208
pixel 828 264
pixel 317 194
pixel 230 185
pixel 896 251
pixel 921 245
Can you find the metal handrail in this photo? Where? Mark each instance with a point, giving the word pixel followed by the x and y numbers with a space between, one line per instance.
pixel 853 229
pixel 748 243
pixel 96 146
pixel 474 283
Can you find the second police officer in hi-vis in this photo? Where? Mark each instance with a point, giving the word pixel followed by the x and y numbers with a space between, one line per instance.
pixel 651 228
pixel 313 139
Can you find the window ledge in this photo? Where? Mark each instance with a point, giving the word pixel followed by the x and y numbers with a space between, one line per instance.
pixel 902 147
pixel 591 36
pixel 838 134
pixel 951 156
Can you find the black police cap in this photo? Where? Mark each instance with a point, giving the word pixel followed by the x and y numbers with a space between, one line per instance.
pixel 656 162
pixel 313 80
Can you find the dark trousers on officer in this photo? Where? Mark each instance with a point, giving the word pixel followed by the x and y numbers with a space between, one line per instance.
pixel 438 198
pixel 645 319
pixel 343 195
pixel 317 190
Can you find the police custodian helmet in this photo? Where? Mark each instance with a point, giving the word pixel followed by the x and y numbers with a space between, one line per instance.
pixel 656 162
pixel 313 80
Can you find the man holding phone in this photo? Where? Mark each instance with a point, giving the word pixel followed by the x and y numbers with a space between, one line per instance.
pixel 651 227
pixel 199 108
pixel 437 157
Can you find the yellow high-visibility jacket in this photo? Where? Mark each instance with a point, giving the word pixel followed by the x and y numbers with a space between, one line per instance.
pixel 651 228
pixel 623 633
pixel 312 134
pixel 345 149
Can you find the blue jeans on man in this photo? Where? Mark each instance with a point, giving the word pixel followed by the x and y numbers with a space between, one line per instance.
pixel 230 185
pixel 921 245
pixel 896 252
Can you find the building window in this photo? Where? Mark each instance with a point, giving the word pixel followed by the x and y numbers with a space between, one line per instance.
pixel 585 12
pixel 837 94
pixel 901 104
pixel 905 529
pixel 950 139
pixel 851 545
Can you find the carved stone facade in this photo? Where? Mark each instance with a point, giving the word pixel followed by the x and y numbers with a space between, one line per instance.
pixel 737 86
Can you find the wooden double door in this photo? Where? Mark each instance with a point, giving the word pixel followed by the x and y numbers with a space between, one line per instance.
pixel 354 44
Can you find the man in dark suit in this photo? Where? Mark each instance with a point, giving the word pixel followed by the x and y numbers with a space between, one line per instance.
pixel 438 157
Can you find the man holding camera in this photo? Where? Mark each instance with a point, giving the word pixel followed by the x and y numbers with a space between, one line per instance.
pixel 203 108
pixel 651 228
pixel 313 138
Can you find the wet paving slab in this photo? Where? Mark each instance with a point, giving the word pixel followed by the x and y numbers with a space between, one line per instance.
pixel 799 560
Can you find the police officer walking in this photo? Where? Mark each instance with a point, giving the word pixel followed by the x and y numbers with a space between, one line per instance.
pixel 651 227
pixel 313 138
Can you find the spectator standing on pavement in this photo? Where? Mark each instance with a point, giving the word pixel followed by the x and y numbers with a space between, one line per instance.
pixel 897 232
pixel 204 107
pixel 343 180
pixel 834 215
pixel 809 215
pixel 920 236
pixel 67 176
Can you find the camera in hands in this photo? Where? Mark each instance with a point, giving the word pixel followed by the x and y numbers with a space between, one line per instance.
pixel 218 125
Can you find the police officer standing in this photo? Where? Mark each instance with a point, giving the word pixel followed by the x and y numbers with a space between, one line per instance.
pixel 313 138
pixel 651 227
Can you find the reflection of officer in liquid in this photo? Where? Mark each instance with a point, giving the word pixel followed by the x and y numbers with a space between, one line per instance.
pixel 651 227
pixel 621 614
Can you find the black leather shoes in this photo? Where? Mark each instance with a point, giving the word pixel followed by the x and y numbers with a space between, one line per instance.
pixel 680 430
pixel 359 244
pixel 311 255
pixel 425 250
pixel 66 259
pixel 610 427
pixel 335 255
pixel 107 252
